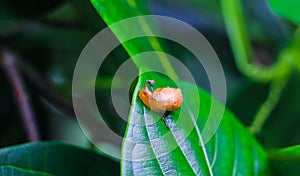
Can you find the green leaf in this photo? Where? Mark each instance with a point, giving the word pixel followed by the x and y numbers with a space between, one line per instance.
pixel 110 13
pixel 289 153
pixel 13 170
pixel 149 147
pixel 286 161
pixel 288 9
pixel 51 158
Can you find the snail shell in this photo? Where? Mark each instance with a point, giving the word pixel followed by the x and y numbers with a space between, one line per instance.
pixel 162 99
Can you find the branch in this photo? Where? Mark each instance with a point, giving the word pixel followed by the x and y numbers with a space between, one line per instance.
pixel 268 106
pixel 9 65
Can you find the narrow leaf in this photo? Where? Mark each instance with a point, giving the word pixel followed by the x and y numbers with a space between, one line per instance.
pixel 110 13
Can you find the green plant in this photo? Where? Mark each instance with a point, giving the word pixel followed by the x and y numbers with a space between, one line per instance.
pixel 200 162
pixel 266 98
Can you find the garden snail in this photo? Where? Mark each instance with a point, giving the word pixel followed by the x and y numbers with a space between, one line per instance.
pixel 161 99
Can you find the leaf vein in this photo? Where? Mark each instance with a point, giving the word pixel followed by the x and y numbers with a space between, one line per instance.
pixel 201 142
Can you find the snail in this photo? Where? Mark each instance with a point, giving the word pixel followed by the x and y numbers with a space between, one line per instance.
pixel 161 99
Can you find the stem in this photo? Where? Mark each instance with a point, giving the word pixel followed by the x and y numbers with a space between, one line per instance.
pixel 290 56
pixel 278 73
pixel 241 45
pixel 268 106
pixel 22 98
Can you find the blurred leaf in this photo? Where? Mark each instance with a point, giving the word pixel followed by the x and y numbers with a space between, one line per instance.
pixel 282 127
pixel 88 15
pixel 65 12
pixel 51 158
pixel 286 161
pixel 255 94
pixel 178 149
pixel 289 153
pixel 288 9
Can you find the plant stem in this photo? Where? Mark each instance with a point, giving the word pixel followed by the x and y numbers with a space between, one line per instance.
pixel 241 45
pixel 22 98
pixel 268 106
pixel 277 74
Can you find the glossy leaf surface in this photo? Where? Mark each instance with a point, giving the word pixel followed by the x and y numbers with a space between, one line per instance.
pixel 145 27
pixel 51 158
pixel 151 148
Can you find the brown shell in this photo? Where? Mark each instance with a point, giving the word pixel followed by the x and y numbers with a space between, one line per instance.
pixel 162 99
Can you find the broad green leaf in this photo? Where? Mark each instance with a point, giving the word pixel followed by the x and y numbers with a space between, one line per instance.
pixel 288 9
pixel 51 158
pixel 150 148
